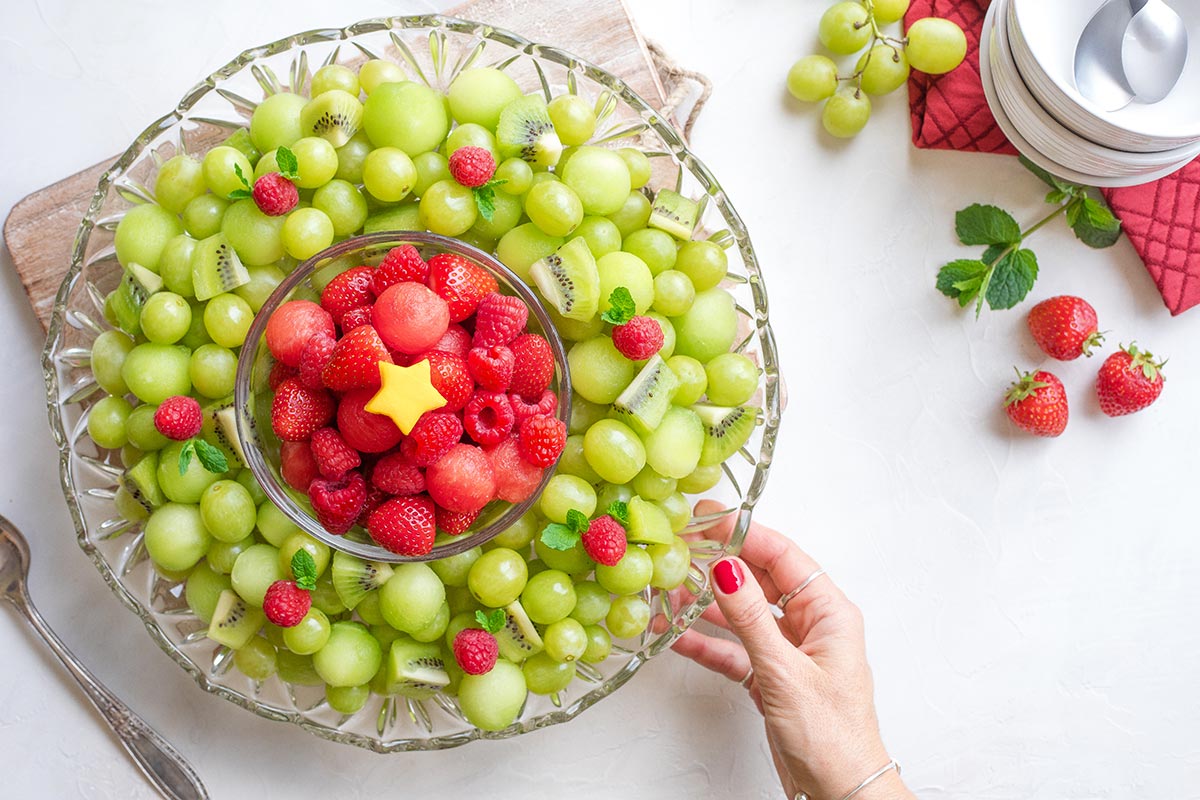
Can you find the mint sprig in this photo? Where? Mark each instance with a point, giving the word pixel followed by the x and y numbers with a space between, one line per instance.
pixel 1006 272
pixel 485 198
pixel 211 458
pixel 304 569
pixel 560 536
pixel 619 511
pixel 621 307
pixel 289 165
pixel 491 621
pixel 245 191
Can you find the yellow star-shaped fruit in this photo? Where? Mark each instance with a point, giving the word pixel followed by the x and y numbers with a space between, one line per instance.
pixel 405 394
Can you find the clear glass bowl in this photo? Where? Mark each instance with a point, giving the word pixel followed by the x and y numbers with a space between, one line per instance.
pixel 261 446
pixel 432 49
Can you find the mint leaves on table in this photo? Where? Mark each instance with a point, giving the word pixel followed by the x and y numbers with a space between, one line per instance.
pixel 1004 275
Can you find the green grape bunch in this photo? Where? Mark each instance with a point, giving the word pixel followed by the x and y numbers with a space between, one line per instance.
pixel 933 46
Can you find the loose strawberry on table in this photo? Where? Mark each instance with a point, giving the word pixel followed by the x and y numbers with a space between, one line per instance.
pixel 1065 327
pixel 1129 381
pixel 1037 403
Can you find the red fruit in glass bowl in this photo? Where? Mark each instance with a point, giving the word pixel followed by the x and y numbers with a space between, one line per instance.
pixel 362 430
pixel 409 317
pixel 462 480
pixel 516 479
pixel 292 325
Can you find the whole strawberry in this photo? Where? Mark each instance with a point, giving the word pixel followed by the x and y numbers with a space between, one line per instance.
pixel 1129 380
pixel 1037 403
pixel 404 525
pixel 1065 327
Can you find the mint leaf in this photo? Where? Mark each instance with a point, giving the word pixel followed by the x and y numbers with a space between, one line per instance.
pixel 491 621
pixel 557 536
pixel 240 194
pixel 621 307
pixel 1048 179
pixel 577 521
pixel 1012 279
pixel 619 511
pixel 980 224
pixel 289 166
pixel 210 457
pixel 959 272
pixel 1095 225
pixel 304 569
pixel 237 169
pixel 485 201
pixel 185 456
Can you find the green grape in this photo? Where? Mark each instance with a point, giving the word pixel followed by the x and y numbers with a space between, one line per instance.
pixel 197 334
pixel 263 281
pixel 130 455
pixel 267 164
pixel 175 536
pixel 537 566
pixel 628 617
pixel 709 327
pixel 227 318
pixel 347 699
pixel 448 208
pixel 185 487
pixel 343 204
pixel 325 597
pixel 732 379
pixel 935 45
pixel 479 95
pixel 154 372
pixel 275 123
pixel 376 71
pixel 671 562
pixel 109 352
pixel 625 269
pixel 614 451
pixel 884 69
pixel 564 493
pixel 701 479
pixel 389 174
pixel 175 265
pixel 886 11
pixel 227 510
pixel 846 113
pixel 505 216
pixel 591 602
pixel 599 372
pixel 334 76
pixel 565 640
pixel 523 245
pixel 106 422
pixel 221 166
pixel 668 329
pixel 404 217
pixel 573 462
pixel 166 317
pixel 673 293
pixel 554 207
pixel 516 174
pixel 256 237
pixel 306 232
pixel 316 162
pixel 629 575
pixel 600 179
pixel 460 599
pixel 497 577
pixel 633 215
pixel 143 233
pixel 599 645
pixel 573 330
pixel 310 635
pixel 638 165
pixel 222 556
pixel 649 485
pixel 202 218
pixel 318 550
pixel 203 589
pixel 544 675
pixel 248 482
pixel 812 78
pixel 573 562
pixel 255 570
pixel 409 115
pixel 548 596
pixel 460 622
pixel 518 535
pixel 179 181
pixel 295 669
pixel 573 118
pixel 600 234
pixel 705 263
pixel 351 157
pixel 609 493
pixel 654 247
pixel 677 509
pixel 256 659
pixel 369 609
pixel 493 700
pixel 412 596
pixel 431 168
pixel 845 28
pixel 273 524
pixel 351 657
pixel 453 570
pixel 469 134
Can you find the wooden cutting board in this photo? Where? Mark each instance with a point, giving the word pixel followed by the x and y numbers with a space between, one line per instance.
pixel 40 229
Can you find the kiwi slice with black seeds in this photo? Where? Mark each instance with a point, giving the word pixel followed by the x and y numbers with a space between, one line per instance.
pixel 525 131
pixel 725 430
pixel 234 622
pixel 354 578
pixel 216 268
pixel 335 115
pixel 569 280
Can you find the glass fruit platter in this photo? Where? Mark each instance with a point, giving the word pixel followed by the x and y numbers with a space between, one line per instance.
pixel 84 362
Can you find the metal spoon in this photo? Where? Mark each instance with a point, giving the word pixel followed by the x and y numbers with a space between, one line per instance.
pixel 1098 71
pixel 160 762
pixel 1154 50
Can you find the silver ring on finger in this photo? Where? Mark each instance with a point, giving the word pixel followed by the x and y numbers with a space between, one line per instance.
pixel 745 682
pixel 787 598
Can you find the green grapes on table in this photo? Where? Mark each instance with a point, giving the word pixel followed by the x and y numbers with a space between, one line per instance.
pixel 932 45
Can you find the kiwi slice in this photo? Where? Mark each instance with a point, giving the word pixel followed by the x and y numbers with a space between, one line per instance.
pixel 335 116
pixel 674 213
pixel 645 400
pixel 354 578
pixel 525 130
pixel 725 430
pixel 569 280
pixel 648 524
pixel 518 639
pixel 141 481
pixel 136 286
pixel 233 621
pixel 219 428
pixel 216 268
pixel 415 669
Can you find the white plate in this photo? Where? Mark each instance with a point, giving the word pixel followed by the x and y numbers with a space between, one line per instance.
pixel 1051 28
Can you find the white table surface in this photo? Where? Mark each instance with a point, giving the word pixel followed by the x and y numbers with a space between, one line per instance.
pixel 1030 604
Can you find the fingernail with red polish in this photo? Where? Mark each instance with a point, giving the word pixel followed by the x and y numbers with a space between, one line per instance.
pixel 728 576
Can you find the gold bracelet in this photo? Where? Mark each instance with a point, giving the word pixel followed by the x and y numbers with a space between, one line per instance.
pixel 893 764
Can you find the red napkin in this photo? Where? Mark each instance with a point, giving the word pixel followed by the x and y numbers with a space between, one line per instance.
pixel 1161 219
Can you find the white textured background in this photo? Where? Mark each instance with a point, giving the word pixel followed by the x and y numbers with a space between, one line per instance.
pixel 1030 604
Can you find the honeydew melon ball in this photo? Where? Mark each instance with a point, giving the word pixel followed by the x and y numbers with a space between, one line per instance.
pixel 406 115
pixel 625 269
pixel 479 95
pixel 276 121
pixel 176 537
pixel 143 233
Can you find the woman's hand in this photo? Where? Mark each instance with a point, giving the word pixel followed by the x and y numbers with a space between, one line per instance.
pixel 810 678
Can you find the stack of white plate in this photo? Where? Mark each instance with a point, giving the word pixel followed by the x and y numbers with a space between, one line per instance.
pixel 1027 56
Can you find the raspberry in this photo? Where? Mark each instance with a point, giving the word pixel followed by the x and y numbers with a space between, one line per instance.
pixel 275 195
pixel 396 474
pixel 362 430
pixel 285 603
pixel 491 367
pixel 433 436
pixel 472 166
pixel 455 340
pixel 297 465
pixel 454 523
pixel 546 405
pixel 542 439
pixel 488 417
pixel 404 525
pixel 280 372
pixel 461 283
pixel 333 456
pixel 533 365
pixel 499 319
pixel 639 338
pixel 314 358
pixel 349 290
pixel 475 650
pixel 448 374
pixel 356 318
pixel 297 411
pixel 179 418
pixel 337 504
pixel 604 541
pixel 401 264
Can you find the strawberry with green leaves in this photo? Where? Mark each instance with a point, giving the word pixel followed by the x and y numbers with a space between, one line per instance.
pixel 1065 327
pixel 1129 380
pixel 1037 403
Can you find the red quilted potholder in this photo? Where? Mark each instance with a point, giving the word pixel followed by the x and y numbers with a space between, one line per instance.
pixel 1162 219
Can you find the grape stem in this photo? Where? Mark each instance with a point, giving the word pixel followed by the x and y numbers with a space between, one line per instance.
pixel 877 37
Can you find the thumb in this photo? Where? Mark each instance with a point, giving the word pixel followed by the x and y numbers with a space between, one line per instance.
pixel 741 600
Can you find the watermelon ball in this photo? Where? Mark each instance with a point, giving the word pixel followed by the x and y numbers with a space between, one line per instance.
pixel 292 325
pixel 462 480
pixel 410 318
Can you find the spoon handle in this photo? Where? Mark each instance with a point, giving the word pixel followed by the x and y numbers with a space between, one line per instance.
pixel 160 762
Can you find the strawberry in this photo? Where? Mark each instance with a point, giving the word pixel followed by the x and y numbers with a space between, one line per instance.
pixel 491 367
pixel 639 338
pixel 1065 327
pixel 401 264
pixel 472 166
pixel 547 404
pixel 533 365
pixel 488 417
pixel 1037 403
pixel 275 195
pixel 349 290
pixel 499 319
pixel 461 283
pixel 1129 380
pixel 542 439
pixel 179 418
pixel 333 456
pixel 454 523
pixel 285 604
pixel 604 541
pixel 354 363
pixel 279 373
pixel 297 411
pixel 475 650
pixel 433 436
pixel 404 525
pixel 316 355
pixel 448 374
pixel 396 474
pixel 337 504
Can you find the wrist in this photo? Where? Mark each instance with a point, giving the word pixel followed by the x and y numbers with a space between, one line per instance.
pixel 889 786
